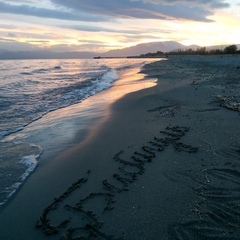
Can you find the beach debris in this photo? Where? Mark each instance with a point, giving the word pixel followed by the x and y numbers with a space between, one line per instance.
pixel 193 82
pixel 134 211
pixel 231 102
pixel 165 111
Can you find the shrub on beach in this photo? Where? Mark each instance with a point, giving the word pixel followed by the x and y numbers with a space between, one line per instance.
pixel 232 49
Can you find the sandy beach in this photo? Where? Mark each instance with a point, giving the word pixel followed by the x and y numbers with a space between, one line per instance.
pixel 161 163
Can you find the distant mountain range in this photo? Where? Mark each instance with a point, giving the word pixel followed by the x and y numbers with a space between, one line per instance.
pixel 144 48
pixel 45 55
pixel 137 50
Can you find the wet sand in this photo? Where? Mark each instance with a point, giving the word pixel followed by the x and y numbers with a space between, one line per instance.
pixel 164 163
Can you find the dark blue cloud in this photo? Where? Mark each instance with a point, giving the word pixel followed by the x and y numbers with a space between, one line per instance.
pixel 197 10
pixel 49 13
pixel 108 10
pixel 212 4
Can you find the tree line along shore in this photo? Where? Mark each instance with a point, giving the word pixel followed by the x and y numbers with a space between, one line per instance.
pixel 231 49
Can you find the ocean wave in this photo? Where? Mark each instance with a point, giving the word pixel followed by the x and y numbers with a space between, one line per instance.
pixel 44 70
pixel 78 92
pixel 26 73
pixel 131 65
pixel 29 98
pixel 107 79
pixel 57 67
pixel 31 107
pixel 30 162
pixel 41 70
pixel 4 133
pixel 103 67
pixel 18 161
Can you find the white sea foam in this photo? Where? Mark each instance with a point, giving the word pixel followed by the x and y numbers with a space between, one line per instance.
pixel 107 79
pixel 30 162
pixel 11 190
pixel 38 117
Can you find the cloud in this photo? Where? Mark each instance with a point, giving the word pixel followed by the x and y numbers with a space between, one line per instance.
pixel 108 10
pixel 28 34
pixel 91 42
pixel 6 40
pixel 98 29
pixel 213 4
pixel 12 45
pixel 25 1
pixel 11 35
pixel 6 26
pixel 38 41
pixel 81 47
pixel 197 10
pixel 49 13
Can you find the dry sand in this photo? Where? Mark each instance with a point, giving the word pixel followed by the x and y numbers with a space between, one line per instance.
pixel 163 164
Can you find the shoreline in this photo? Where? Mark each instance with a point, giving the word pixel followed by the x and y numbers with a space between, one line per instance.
pixel 174 184
pixel 64 128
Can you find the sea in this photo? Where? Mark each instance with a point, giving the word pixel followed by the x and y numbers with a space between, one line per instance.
pixel 42 109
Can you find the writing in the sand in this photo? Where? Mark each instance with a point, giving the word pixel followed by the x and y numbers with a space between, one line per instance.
pixel 69 218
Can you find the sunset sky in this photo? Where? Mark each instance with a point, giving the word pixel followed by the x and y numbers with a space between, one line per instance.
pixel 101 25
